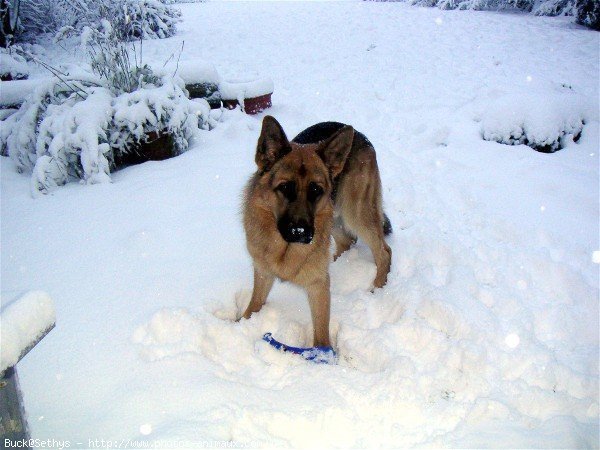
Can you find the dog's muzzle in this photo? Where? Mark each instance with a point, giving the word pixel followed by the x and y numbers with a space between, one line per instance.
pixel 300 232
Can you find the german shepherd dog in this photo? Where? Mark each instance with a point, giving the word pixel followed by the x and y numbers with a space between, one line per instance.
pixel 324 182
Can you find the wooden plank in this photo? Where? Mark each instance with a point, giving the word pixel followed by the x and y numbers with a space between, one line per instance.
pixel 13 424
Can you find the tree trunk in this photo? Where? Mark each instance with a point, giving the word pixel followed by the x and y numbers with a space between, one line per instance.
pixel 9 18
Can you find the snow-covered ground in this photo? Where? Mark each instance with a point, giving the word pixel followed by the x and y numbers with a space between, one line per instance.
pixel 487 332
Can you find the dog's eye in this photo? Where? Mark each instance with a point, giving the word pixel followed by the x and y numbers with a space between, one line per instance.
pixel 314 191
pixel 288 189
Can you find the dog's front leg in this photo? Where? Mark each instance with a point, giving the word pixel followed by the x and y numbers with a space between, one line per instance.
pixel 319 300
pixel 263 282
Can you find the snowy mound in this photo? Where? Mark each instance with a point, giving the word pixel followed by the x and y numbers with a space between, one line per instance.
pixel 543 122
pixel 22 323
pixel 195 70
pixel 14 67
pixel 241 89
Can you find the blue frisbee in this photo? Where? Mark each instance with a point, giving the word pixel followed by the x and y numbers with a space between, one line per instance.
pixel 319 355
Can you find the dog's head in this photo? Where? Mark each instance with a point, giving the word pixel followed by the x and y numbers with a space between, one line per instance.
pixel 299 177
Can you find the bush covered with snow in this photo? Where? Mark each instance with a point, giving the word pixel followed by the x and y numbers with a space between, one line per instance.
pixel 545 124
pixel 552 7
pixel 171 2
pixel 77 130
pixel 134 19
pixel 586 11
pixel 150 19
pixel 539 7
pixel 45 16
pixel 82 126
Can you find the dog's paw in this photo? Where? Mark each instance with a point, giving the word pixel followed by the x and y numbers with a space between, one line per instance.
pixel 242 299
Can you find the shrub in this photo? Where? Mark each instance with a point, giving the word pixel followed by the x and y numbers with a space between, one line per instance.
pixel 538 7
pixel 172 2
pixel 150 19
pixel 545 123
pixel 110 57
pixel 133 19
pixel 554 8
pixel 45 16
pixel 77 132
pixel 82 126
pixel 588 13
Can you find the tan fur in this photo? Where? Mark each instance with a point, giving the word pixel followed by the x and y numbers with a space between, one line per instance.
pixel 357 213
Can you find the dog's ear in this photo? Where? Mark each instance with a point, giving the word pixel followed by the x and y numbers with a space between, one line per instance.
pixel 335 150
pixel 272 144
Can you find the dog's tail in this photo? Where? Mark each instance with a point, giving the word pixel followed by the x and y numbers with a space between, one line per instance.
pixel 387 225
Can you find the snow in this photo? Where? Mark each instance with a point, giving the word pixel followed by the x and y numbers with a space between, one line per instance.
pixel 13 65
pixel 487 331
pixel 22 322
pixel 193 70
pixel 15 92
pixel 243 88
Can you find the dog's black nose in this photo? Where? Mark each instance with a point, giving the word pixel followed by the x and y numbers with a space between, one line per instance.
pixel 299 232
pixel 302 234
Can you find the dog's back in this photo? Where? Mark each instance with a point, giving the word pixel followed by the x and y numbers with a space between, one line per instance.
pixel 318 132
pixel 323 131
